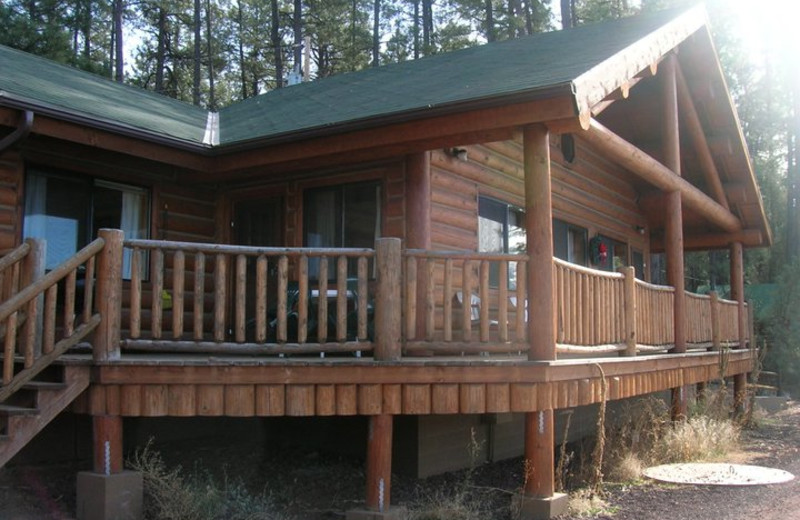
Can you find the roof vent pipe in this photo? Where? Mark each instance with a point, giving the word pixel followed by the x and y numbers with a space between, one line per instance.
pixel 19 134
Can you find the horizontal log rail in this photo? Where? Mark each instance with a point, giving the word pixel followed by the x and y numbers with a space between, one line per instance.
pixel 256 300
pixel 11 270
pixel 51 324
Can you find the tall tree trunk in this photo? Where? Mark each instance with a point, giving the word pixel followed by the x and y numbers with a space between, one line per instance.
pixel 161 50
pixel 298 37
pixel 427 26
pixel 514 11
pixel 119 8
pixel 566 14
pixel 86 29
pixel 528 17
pixel 212 102
pixel 276 44
pixel 487 5
pixel 242 67
pixel 197 55
pixel 416 30
pixel 376 33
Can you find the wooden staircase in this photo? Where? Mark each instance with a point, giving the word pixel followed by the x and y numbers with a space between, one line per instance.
pixel 26 412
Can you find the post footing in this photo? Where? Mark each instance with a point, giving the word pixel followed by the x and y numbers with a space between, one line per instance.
pixel 109 497
pixel 393 513
pixel 536 508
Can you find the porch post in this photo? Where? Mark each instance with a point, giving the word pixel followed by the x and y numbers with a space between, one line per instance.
pixel 387 348
pixel 106 344
pixel 673 229
pixel 418 223
pixel 108 492
pixel 34 268
pixel 737 293
pixel 538 499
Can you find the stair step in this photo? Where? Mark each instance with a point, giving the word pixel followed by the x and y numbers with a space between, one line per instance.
pixel 17 410
pixel 44 385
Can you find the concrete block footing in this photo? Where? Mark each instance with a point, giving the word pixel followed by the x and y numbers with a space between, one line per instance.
pixel 109 497
pixel 526 507
pixel 393 513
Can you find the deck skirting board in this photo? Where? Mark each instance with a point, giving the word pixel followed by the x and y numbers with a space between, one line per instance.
pixel 146 391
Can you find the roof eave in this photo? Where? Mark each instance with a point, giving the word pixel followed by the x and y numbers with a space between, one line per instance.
pixel 70 116
pixel 552 91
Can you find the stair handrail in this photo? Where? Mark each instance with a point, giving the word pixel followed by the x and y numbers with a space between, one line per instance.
pixel 14 256
pixel 16 302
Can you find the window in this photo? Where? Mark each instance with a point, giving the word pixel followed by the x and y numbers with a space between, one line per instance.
pixel 67 210
pixel 501 229
pixel 341 216
pixel 569 242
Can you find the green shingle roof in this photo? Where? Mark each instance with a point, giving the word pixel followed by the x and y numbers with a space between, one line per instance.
pixel 40 83
pixel 525 67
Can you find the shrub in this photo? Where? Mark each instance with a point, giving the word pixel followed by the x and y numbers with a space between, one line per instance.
pixel 169 494
pixel 699 438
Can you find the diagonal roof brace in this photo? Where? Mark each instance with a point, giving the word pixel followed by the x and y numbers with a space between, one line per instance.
pixel 652 171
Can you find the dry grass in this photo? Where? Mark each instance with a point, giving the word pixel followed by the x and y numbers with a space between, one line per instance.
pixel 700 438
pixel 171 494
pixel 586 503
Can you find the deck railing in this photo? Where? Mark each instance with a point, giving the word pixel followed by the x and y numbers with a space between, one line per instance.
pixel 211 298
pixel 44 314
pixel 464 303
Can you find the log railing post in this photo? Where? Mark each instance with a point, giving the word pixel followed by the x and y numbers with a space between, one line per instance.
pixel 106 343
pixel 630 310
pixel 388 308
pixel 716 333
pixel 33 269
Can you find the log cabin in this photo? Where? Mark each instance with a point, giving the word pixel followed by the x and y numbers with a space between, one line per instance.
pixel 473 233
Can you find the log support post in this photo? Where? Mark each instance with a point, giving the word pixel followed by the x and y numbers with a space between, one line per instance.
pixel 673 228
pixel 418 225
pixel 108 492
pixel 379 473
pixel 538 499
pixel 387 348
pixel 106 344
pixel 737 293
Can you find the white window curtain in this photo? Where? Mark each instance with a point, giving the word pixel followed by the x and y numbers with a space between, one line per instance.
pixel 35 206
pixel 132 223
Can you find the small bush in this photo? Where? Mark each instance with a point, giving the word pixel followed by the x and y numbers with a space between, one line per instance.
pixel 699 438
pixel 169 494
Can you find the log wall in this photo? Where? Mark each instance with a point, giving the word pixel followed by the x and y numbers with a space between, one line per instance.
pixel 11 174
pixel 586 192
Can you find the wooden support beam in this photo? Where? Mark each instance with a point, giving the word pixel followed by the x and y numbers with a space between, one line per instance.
pixel 696 133
pixel 379 463
pixel 418 226
pixel 106 344
pixel 657 174
pixel 107 444
pixel 539 235
pixel 539 454
pixel 673 228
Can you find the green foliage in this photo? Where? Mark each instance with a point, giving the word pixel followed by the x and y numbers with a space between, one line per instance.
pixel 783 329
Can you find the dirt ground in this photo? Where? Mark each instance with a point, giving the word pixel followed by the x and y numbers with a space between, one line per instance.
pixel 316 486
